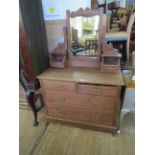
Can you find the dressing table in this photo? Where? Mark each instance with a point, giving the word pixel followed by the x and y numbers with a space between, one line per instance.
pixel 82 94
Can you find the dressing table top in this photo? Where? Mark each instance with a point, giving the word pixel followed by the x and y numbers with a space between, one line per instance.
pixel 83 75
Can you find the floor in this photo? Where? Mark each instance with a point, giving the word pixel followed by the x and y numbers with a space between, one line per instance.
pixel 57 139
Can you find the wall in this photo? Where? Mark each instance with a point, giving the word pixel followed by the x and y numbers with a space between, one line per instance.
pixel 56 9
pixel 54 31
pixel 54 24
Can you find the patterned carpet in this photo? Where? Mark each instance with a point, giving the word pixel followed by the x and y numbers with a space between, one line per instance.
pixel 57 139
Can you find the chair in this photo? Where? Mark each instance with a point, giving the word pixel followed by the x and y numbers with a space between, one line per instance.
pixel 114 15
pixel 32 96
pixel 122 36
pixel 76 48
pixel 91 45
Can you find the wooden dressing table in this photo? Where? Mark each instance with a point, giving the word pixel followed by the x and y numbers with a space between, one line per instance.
pixel 81 94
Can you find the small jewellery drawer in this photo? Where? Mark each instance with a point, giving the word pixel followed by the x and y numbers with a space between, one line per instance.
pixel 74 114
pixel 98 90
pixel 110 68
pixel 80 100
pixel 58 85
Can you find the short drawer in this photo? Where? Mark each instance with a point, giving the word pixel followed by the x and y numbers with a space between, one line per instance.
pixel 58 85
pixel 98 90
pixel 110 68
pixel 60 98
pixel 83 101
pixel 68 113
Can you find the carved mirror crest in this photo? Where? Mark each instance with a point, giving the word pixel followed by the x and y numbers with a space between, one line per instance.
pixel 85 35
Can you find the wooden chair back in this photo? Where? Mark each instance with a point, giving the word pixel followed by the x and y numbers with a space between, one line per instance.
pixel 129 28
pixel 130 23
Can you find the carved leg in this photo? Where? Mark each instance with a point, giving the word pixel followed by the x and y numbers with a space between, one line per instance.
pixel 30 99
pixel 35 122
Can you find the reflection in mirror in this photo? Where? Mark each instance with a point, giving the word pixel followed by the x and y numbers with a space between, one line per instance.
pixel 84 35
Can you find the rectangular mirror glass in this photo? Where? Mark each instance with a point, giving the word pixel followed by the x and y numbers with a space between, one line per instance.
pixel 84 36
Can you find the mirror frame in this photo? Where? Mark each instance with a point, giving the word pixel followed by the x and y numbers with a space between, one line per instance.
pixel 85 61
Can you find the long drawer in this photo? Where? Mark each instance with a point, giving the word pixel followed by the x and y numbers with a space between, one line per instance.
pixel 80 100
pixel 68 113
pixel 58 85
pixel 98 90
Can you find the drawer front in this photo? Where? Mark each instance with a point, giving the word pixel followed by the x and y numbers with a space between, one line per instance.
pixel 82 101
pixel 110 69
pixel 58 85
pixel 98 90
pixel 75 114
pixel 100 103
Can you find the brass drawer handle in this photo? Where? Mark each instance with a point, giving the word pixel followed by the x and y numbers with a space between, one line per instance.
pixel 62 113
pixel 58 85
pixel 95 91
pixel 60 99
